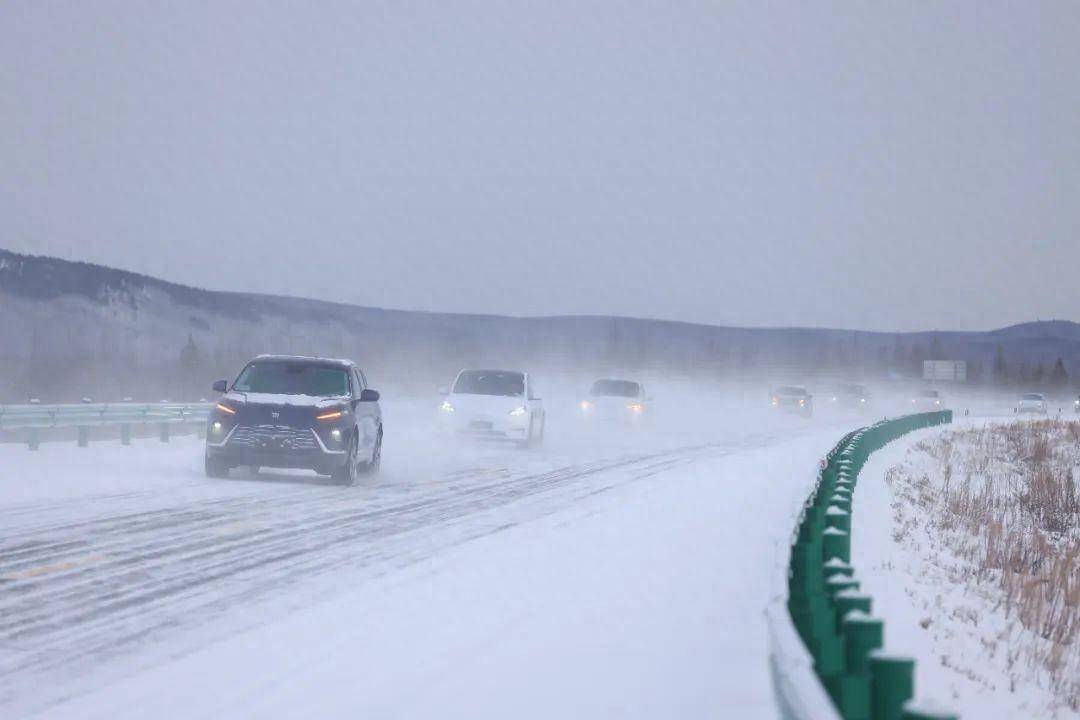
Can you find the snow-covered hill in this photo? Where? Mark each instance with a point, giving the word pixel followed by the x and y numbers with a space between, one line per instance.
pixel 70 326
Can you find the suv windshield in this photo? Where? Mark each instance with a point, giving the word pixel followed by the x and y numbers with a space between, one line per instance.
pixel 1033 396
pixel 790 390
pixel 616 388
pixel 490 382
pixel 284 378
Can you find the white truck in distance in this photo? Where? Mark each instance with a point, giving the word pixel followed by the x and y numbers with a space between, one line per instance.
pixel 497 404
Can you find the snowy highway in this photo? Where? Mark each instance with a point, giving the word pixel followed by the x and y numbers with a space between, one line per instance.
pixel 627 566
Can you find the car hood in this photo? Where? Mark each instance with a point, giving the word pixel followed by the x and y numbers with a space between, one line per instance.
pixel 312 401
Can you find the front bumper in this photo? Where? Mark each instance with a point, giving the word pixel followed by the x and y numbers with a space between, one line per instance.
pixel 510 427
pixel 277 447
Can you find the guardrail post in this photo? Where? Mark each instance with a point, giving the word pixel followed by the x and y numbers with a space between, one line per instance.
pixel 892 683
pixel 84 436
pixel 33 440
pixel 912 711
pixel 836 566
pixel 836 544
pixel 164 432
pixel 125 434
pixel 845 601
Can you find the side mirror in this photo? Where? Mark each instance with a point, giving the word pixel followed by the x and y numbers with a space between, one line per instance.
pixel 443 390
pixel 369 395
pixel 221 386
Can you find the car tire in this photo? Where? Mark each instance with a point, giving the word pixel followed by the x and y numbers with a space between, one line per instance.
pixel 371 467
pixel 216 469
pixel 539 439
pixel 346 473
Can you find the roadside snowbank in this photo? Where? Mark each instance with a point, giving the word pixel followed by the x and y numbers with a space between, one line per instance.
pixel 971 654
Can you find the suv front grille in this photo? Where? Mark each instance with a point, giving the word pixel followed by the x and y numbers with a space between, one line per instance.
pixel 274 437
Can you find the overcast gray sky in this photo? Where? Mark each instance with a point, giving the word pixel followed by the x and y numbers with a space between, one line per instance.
pixel 875 165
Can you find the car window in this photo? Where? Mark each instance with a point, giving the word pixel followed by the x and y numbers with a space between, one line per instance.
pixel 615 388
pixel 1033 396
pixel 290 378
pixel 790 390
pixel 490 382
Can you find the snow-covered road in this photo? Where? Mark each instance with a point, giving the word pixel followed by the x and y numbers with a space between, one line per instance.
pixel 607 574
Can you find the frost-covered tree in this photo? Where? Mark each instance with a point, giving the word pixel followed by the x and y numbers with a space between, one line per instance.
pixel 1059 378
pixel 1000 371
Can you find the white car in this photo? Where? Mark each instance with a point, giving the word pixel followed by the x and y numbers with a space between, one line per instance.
pixel 792 399
pixel 498 404
pixel 928 400
pixel 616 401
pixel 1032 403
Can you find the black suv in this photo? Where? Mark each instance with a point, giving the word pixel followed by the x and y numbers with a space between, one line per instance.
pixel 296 412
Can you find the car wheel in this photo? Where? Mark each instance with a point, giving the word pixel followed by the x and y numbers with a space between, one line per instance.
pixel 539 439
pixel 371 467
pixel 346 474
pixel 216 468
pixel 253 470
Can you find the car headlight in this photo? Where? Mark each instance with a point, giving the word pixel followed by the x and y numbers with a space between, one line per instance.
pixel 335 435
pixel 446 406
pixel 216 427
pixel 518 411
pixel 587 406
pixel 802 403
pixel 635 407
pixel 937 402
pixel 862 400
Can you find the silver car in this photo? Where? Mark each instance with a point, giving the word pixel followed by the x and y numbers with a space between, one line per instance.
pixel 1032 404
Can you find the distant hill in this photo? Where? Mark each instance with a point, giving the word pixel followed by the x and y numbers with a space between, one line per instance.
pixel 70 328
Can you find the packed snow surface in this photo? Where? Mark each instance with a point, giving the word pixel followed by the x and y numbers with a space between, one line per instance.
pixel 614 572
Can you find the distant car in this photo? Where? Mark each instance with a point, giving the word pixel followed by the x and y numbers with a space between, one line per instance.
pixel 296 412
pixel 793 399
pixel 499 404
pixel 1032 404
pixel 851 395
pixel 927 400
pixel 616 400
pixel 1076 405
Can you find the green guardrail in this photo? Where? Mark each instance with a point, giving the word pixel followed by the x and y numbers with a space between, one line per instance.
pixel 831 614
pixel 28 421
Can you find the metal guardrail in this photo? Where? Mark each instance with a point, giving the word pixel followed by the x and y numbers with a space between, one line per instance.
pixel 29 420
pixel 842 660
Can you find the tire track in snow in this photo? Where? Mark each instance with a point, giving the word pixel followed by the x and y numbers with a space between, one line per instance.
pixel 170 568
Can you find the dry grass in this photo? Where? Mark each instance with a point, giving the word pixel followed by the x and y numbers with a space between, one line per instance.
pixel 1008 504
